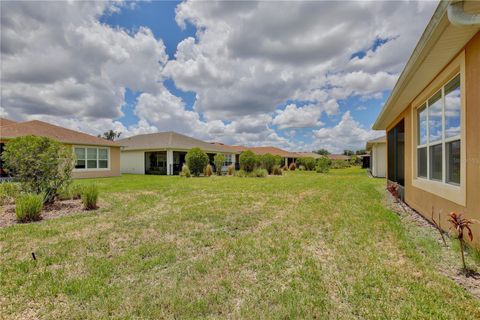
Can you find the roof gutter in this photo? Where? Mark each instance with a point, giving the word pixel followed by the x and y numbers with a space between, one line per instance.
pixel 458 17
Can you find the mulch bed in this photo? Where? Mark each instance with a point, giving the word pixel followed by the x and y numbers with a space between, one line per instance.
pixel 50 211
pixel 450 265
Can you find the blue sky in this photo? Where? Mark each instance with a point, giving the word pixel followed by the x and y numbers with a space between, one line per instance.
pixel 297 75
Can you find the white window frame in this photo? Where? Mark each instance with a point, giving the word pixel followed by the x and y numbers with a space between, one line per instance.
pixel 86 158
pixel 450 191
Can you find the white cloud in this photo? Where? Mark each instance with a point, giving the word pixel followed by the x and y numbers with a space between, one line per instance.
pixel 347 134
pixel 298 117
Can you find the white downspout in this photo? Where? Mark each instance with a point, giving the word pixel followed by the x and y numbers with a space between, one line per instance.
pixel 458 17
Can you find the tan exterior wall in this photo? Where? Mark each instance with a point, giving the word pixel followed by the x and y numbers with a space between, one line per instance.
pixel 423 201
pixel 114 167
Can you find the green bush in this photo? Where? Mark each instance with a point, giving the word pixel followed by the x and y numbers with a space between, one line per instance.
pixel 276 170
pixel 196 160
pixel 218 161
pixel 90 196
pixel 208 171
pixel 240 173
pixel 70 192
pixel 28 207
pixel 292 166
pixel 340 164
pixel 8 192
pixel 231 170
pixel 259 173
pixel 40 164
pixel 248 160
pixel 185 171
pixel 279 161
pixel 267 162
pixel 323 165
pixel 308 163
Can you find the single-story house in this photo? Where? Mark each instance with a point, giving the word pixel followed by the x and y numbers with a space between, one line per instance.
pixel 164 153
pixel 378 156
pixel 339 157
pixel 432 117
pixel 288 156
pixel 303 154
pixel 95 157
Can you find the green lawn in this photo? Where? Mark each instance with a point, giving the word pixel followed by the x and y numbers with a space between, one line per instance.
pixel 304 245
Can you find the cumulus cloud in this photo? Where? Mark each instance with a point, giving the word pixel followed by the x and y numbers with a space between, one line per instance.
pixel 61 64
pixel 347 134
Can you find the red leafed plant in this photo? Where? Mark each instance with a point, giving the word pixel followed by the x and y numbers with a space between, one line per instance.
pixel 393 189
pixel 461 225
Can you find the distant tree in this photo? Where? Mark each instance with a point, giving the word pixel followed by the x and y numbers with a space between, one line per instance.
pixel 110 135
pixel 360 152
pixel 323 152
pixel 348 153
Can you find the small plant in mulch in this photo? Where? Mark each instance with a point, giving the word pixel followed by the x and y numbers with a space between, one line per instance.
pixel 462 226
pixel 292 166
pixel 230 170
pixel 28 207
pixel 393 188
pixel 438 226
pixel 90 197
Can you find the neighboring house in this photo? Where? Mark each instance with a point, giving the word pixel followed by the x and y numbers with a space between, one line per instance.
pixel 288 156
pixel 309 155
pixel 432 117
pixel 164 153
pixel 95 157
pixel 378 156
pixel 339 157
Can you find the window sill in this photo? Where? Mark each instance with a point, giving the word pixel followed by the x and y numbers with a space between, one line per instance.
pixel 90 170
pixel 454 193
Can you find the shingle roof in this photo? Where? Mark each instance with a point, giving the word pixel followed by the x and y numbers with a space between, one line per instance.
pixel 376 141
pixel 169 140
pixel 338 157
pixel 260 150
pixel 44 129
pixel 310 154
pixel 6 122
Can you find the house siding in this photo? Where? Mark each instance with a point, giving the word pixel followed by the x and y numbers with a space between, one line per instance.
pixel 424 201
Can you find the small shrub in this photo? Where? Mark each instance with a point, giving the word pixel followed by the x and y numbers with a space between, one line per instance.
pixel 277 171
pixel 70 192
pixel 461 225
pixel 240 173
pixel 279 161
pixel 308 163
pixel 248 160
pixel 292 166
pixel 231 170
pixel 285 168
pixel 323 165
pixel 218 160
pixel 267 162
pixel 8 192
pixel 208 171
pixel 340 164
pixel 196 160
pixel 185 171
pixel 40 164
pixel 28 207
pixel 90 196
pixel 259 173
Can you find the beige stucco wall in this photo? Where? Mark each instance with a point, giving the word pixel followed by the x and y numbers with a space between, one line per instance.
pixel 423 201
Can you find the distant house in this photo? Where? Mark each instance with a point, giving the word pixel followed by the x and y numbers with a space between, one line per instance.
pixel 95 157
pixel 309 154
pixel 164 153
pixel 378 156
pixel 432 117
pixel 339 157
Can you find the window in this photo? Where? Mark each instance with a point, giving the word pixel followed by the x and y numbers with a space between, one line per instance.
pixel 228 159
pixel 91 158
pixel 438 131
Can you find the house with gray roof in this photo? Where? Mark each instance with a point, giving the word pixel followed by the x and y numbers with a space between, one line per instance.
pixel 164 153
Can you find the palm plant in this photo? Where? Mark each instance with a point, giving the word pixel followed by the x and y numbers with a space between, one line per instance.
pixel 461 225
